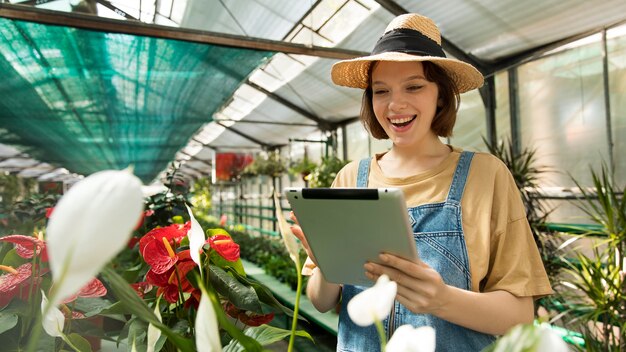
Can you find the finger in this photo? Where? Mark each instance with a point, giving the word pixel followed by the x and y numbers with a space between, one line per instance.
pixel 411 268
pixel 292 216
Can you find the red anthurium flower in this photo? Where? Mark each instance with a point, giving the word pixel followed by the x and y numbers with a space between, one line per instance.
pixel 13 281
pixel 177 280
pixel 225 246
pixel 94 288
pixel 27 246
pixel 247 317
pixel 157 246
pixel 49 212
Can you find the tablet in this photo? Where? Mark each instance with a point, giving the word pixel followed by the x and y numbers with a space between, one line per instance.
pixel 347 227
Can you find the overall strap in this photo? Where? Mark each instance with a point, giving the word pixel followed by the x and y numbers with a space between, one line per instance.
pixel 363 173
pixel 460 177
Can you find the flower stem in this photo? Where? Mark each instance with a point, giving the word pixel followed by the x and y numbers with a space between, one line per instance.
pixel 381 333
pixel 294 322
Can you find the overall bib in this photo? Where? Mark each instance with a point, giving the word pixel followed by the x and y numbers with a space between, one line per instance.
pixel 440 243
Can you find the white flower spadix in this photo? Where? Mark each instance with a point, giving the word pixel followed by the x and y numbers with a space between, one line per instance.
pixel 91 223
pixel 374 303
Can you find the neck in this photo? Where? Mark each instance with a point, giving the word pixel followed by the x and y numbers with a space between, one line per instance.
pixel 406 161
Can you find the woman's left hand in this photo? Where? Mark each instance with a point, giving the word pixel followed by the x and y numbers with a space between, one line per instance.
pixel 420 288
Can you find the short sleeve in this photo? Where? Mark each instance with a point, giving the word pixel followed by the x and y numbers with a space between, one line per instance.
pixel 515 264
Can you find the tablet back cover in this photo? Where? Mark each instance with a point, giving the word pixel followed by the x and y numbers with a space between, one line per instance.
pixel 346 227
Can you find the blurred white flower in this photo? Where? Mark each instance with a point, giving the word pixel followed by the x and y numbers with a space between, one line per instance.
pixel 54 320
pixel 207 333
pixel 374 303
pixel 550 341
pixel 409 339
pixel 285 230
pixel 91 223
pixel 153 332
pixel 196 239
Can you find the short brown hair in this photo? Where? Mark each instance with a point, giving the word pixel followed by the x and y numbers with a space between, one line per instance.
pixel 445 116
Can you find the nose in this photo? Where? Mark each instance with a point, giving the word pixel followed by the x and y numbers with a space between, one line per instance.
pixel 397 102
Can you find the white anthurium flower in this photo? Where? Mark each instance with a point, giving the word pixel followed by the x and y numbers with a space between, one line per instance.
pixel 550 341
pixel 207 329
pixel 153 332
pixel 91 223
pixel 374 303
pixel 53 320
pixel 196 239
pixel 406 338
pixel 285 230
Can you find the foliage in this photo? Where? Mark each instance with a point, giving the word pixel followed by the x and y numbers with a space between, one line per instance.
pixel 269 253
pixel 200 195
pixel 596 306
pixel 324 174
pixel 302 167
pixel 269 164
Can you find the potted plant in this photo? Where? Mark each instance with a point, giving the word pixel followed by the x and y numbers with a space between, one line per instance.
pixel 324 174
pixel 303 168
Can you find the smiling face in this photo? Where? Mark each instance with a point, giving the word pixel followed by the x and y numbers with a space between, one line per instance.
pixel 404 102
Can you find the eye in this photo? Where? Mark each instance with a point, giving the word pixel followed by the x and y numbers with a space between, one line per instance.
pixel 414 87
pixel 379 91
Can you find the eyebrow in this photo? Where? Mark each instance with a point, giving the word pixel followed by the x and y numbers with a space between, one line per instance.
pixel 410 78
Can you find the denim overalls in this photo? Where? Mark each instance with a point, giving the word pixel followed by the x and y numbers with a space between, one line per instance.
pixel 440 243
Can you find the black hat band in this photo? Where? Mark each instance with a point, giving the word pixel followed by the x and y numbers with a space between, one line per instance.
pixel 409 41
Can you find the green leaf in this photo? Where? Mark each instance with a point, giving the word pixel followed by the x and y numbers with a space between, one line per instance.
pixel 240 295
pixel 12 259
pixel 79 342
pixel 136 306
pixel 219 261
pixel 7 321
pixel 265 335
pixel 264 294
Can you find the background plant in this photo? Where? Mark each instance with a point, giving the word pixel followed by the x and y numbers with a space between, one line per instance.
pixel 324 174
pixel 597 305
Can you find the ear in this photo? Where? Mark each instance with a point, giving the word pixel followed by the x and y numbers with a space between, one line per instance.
pixel 439 102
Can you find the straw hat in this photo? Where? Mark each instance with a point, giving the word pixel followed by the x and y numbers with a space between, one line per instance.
pixel 409 37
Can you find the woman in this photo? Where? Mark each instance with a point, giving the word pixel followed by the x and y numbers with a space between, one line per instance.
pixel 479 268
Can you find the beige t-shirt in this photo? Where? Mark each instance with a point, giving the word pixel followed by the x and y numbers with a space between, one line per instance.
pixel 502 252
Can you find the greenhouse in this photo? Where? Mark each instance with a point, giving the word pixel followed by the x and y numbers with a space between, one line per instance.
pixel 148 150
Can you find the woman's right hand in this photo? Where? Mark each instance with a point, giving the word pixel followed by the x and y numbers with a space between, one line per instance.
pixel 297 231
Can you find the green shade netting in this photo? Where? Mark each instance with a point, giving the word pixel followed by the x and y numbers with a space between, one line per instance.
pixel 88 100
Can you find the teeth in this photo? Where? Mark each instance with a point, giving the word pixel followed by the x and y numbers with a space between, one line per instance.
pixel 402 120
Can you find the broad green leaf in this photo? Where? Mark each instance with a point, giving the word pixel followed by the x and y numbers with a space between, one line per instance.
pixel 264 294
pixel 219 261
pixel 240 295
pixel 265 335
pixel 12 259
pixel 7 321
pixel 79 342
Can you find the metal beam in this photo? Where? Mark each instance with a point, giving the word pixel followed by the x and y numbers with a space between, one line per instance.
pixel 250 138
pixel 395 9
pixel 321 123
pixel 29 13
pixel 267 122
pixel 116 9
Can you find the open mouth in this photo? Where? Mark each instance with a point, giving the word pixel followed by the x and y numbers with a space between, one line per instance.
pixel 403 122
